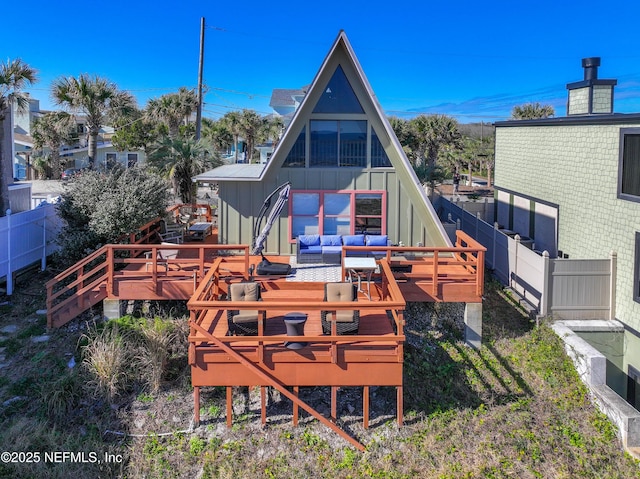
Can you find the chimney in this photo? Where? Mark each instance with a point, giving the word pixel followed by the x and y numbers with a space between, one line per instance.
pixel 590 96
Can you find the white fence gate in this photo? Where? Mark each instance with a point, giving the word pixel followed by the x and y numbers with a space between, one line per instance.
pixel 26 238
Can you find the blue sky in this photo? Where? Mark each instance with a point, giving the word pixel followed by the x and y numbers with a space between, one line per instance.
pixel 472 60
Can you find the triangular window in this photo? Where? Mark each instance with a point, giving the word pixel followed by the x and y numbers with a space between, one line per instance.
pixel 338 96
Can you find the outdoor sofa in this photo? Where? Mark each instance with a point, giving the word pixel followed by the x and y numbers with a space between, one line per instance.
pixel 328 248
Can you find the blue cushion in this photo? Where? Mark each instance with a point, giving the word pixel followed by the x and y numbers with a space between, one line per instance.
pixel 376 240
pixel 331 249
pixel 311 249
pixel 331 240
pixel 353 240
pixel 309 240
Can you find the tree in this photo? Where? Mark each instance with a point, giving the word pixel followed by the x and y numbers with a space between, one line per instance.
pixel 251 127
pixel 532 111
pixel 231 121
pixel 173 109
pixel 52 130
pixel 432 132
pixel 272 129
pixel 406 137
pixel 180 159
pixel 98 99
pixel 137 133
pixel 217 134
pixel 14 77
pixel 98 208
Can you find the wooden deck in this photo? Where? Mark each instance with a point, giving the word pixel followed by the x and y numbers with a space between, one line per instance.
pixel 201 273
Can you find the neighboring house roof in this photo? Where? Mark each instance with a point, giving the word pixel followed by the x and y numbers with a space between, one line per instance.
pixel 619 118
pixel 286 96
pixel 232 172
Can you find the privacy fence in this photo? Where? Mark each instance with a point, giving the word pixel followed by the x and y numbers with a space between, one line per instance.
pixel 26 238
pixel 562 288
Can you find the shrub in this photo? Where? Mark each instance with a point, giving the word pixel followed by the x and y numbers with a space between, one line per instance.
pixel 100 207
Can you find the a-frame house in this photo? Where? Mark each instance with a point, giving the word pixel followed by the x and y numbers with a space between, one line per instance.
pixel 347 170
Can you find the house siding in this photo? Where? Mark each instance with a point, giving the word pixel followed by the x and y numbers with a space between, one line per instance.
pixel 576 168
pixel 404 223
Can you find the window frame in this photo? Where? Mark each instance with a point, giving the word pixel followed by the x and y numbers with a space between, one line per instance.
pixel 352 213
pixel 624 132
pixel 636 269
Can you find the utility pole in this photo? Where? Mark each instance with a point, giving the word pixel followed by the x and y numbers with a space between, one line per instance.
pixel 200 68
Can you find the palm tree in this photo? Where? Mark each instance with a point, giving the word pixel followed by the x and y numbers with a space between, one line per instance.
pixel 14 77
pixel 217 133
pixel 232 122
pixel 173 109
pixel 272 129
pixel 51 131
pixel 98 99
pixel 532 111
pixel 251 126
pixel 180 159
pixel 432 133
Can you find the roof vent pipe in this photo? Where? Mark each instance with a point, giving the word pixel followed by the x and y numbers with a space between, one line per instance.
pixel 590 66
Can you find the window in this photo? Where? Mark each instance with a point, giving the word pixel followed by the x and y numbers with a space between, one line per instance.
pixel 338 143
pixel 629 165
pixel 132 159
pixel 368 213
pixel 337 212
pixel 305 213
pixel 297 155
pixel 379 158
pixel 338 96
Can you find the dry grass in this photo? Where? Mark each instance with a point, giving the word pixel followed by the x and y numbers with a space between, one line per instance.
pixel 107 359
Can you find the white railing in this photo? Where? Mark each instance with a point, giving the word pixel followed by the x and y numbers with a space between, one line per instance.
pixel 26 238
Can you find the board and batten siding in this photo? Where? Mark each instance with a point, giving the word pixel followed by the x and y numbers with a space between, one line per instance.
pixel 243 199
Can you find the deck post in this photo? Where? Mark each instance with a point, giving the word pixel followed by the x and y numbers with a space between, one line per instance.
pixel 473 325
pixel 399 405
pixel 365 407
pixel 334 403
pixel 229 406
pixel 296 390
pixel 196 406
pixel 263 405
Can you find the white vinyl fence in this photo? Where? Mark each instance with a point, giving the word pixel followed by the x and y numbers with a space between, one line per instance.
pixel 26 238
pixel 562 288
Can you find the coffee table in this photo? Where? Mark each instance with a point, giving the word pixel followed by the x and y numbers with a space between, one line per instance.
pixel 199 231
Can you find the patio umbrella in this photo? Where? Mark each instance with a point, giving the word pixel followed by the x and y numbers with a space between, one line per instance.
pixel 283 197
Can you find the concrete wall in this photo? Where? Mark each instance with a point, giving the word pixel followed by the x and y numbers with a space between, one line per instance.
pixel 576 168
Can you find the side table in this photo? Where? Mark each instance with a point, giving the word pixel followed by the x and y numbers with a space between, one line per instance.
pixel 294 323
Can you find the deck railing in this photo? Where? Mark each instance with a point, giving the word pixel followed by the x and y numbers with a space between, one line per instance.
pixel 77 285
pixel 467 255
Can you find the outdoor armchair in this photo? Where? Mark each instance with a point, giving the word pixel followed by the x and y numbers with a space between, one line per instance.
pixel 347 321
pixel 244 321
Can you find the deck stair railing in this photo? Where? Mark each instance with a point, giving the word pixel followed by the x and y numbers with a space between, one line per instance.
pixel 92 279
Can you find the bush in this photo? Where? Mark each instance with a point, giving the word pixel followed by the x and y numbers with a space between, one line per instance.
pixel 101 207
